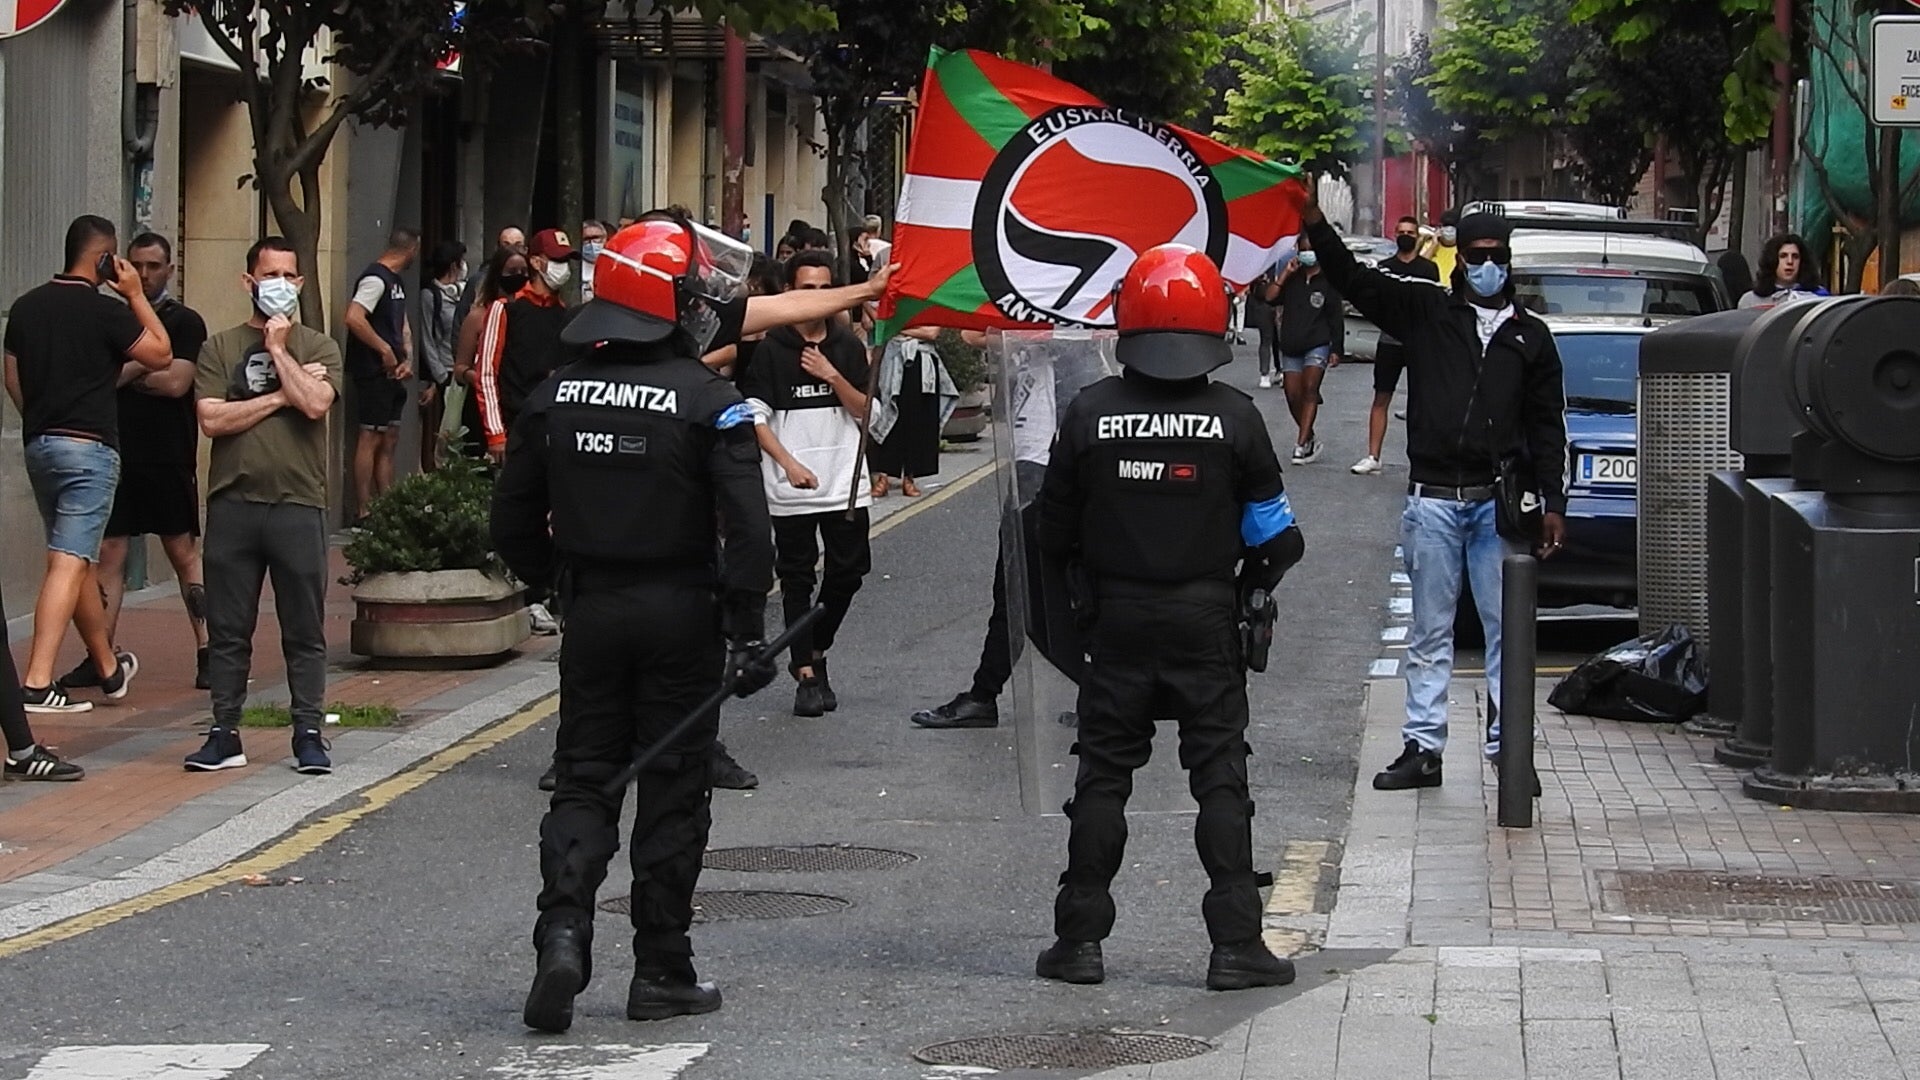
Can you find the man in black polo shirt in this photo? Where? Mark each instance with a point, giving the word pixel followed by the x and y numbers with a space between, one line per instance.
pixel 159 492
pixel 66 344
pixel 380 361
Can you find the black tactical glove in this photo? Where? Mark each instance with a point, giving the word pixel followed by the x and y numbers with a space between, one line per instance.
pixel 748 666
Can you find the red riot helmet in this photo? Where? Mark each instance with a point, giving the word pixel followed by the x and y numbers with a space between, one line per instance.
pixel 657 275
pixel 1172 311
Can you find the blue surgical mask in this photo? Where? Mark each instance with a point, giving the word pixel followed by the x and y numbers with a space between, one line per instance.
pixel 1487 279
pixel 591 250
pixel 1309 258
pixel 276 296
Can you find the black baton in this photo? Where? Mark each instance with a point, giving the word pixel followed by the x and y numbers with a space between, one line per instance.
pixel 772 650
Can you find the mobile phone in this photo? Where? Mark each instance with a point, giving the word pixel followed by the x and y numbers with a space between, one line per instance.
pixel 106 269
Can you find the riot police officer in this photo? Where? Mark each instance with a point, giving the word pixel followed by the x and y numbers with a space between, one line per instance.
pixel 615 474
pixel 1164 500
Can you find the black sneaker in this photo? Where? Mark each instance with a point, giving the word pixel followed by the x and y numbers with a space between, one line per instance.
pixel 310 753
pixel 84 676
pixel 964 711
pixel 656 997
pixel 724 772
pixel 550 779
pixel 200 679
pixel 1414 768
pixel 809 699
pixel 1246 965
pixel 559 977
pixel 1072 962
pixel 41 764
pixel 222 751
pixel 115 685
pixel 51 699
pixel 828 699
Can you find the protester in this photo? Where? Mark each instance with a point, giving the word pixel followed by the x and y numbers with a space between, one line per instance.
pixel 264 389
pixel 509 239
pixel 766 278
pixel 501 279
pixel 1786 273
pixel 439 333
pixel 785 249
pixel 593 238
pixel 159 493
pixel 1442 248
pixel 1313 337
pixel 1263 293
pixel 1390 357
pixel 806 387
pixel 66 346
pixel 380 361
pixel 1484 398
pixel 913 398
pixel 520 345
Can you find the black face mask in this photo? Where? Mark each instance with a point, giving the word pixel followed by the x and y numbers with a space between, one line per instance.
pixel 1405 243
pixel 511 284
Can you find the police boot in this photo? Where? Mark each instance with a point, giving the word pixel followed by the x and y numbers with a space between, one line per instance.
pixel 564 965
pixel 1248 964
pixel 657 995
pixel 1072 962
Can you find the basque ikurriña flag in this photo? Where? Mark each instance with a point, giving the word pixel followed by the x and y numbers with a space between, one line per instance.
pixel 1026 199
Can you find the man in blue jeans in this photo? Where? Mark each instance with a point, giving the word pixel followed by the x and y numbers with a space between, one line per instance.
pixel 1483 391
pixel 66 344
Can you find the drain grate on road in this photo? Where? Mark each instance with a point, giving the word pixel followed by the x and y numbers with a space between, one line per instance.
pixel 805 859
pixel 1063 1050
pixel 1706 894
pixel 727 905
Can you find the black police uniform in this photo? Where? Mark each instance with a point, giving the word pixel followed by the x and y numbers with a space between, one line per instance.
pixel 1146 490
pixel 635 452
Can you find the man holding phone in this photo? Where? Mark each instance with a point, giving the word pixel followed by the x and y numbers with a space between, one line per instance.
pixel 66 343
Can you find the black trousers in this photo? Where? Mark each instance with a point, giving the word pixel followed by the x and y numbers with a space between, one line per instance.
pixel 637 658
pixel 247 544
pixel 996 653
pixel 1162 653
pixel 798 542
pixel 13 713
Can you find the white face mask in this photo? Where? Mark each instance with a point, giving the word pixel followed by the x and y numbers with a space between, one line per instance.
pixel 276 296
pixel 557 274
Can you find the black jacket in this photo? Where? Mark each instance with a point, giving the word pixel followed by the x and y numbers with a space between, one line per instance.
pixel 1311 315
pixel 1467 406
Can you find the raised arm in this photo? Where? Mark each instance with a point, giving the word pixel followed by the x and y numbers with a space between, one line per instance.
pixel 810 305
pixel 1396 305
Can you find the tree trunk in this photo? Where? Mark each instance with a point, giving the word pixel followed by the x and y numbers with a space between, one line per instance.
pixel 1888 192
pixel 1856 249
pixel 301 226
pixel 570 122
pixel 1737 216
pixel 836 195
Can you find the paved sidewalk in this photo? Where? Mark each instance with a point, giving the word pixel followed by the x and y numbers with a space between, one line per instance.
pixel 1656 923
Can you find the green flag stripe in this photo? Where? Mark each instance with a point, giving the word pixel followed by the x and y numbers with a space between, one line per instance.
pixel 978 101
pixel 961 292
pixel 1241 177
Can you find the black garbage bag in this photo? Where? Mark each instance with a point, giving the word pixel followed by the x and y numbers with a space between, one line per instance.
pixel 1655 677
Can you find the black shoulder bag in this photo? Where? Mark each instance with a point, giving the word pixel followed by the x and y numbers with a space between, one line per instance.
pixel 1519 513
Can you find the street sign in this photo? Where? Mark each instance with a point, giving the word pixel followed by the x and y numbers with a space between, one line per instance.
pixel 20 16
pixel 1894 70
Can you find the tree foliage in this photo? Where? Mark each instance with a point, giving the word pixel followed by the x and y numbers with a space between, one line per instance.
pixel 1151 56
pixel 1304 93
pixel 1740 48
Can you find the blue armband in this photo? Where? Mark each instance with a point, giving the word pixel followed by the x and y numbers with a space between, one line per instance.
pixel 1262 521
pixel 733 416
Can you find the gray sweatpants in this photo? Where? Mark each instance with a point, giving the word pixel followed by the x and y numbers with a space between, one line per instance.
pixel 245 543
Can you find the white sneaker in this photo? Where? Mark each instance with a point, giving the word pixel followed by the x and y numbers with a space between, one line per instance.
pixel 1266 382
pixel 543 620
pixel 1308 454
pixel 1366 466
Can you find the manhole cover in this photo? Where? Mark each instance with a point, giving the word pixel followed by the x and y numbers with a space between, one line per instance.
pixel 1706 894
pixel 726 905
pixel 808 859
pixel 1063 1050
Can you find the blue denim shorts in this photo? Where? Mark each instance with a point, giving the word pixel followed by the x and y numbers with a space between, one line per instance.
pixel 1316 357
pixel 73 481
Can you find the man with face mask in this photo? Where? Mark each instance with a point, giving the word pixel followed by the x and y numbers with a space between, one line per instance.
pixel 1484 399
pixel 262 392
pixel 593 239
pixel 520 345
pixel 1443 247
pixel 1389 359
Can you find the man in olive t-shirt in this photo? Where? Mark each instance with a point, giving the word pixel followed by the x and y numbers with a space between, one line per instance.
pixel 262 393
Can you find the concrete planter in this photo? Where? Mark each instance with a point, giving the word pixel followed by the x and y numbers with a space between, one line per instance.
pixel 438 615
pixel 969 417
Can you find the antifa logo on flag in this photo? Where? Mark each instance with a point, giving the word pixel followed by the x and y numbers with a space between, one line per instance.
pixel 1048 252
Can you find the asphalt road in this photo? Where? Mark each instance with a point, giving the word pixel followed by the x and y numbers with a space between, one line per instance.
pixel 404 952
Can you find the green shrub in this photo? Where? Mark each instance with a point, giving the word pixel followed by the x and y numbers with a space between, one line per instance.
pixel 965 364
pixel 354 716
pixel 428 521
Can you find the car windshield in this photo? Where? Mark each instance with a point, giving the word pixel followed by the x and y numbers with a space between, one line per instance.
pixel 1599 370
pixel 1610 294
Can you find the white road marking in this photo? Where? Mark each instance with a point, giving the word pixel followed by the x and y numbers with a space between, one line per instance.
pixel 605 1062
pixel 203 1061
pixel 1400 605
pixel 947 1072
pixel 1384 668
pixel 1400 577
pixel 1393 633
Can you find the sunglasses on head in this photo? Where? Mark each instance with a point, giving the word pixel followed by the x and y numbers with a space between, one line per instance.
pixel 1476 256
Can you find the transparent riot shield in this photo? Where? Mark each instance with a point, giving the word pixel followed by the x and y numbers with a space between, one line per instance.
pixel 1037 374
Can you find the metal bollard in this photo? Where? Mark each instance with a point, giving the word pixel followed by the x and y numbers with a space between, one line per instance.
pixel 1519 594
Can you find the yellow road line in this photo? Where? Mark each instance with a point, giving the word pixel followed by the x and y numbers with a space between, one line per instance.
pixel 1295 888
pixel 298 844
pixel 979 473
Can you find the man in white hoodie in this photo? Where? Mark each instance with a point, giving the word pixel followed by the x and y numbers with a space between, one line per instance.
pixel 807 389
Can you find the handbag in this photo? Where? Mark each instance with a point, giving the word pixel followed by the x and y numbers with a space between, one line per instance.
pixel 1519 511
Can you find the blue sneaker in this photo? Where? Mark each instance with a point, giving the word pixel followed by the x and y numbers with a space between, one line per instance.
pixel 222 751
pixel 310 753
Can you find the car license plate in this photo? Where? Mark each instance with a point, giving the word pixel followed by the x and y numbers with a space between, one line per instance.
pixel 1609 469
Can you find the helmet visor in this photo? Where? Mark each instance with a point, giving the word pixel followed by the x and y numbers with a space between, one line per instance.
pixel 720 266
